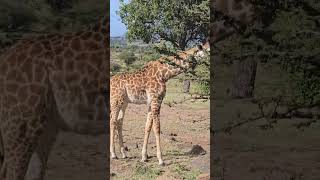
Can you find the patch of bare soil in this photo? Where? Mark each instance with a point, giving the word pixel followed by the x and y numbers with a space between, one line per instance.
pixel 78 157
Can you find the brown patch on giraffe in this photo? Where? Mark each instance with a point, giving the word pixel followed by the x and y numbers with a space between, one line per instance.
pixel 27 68
pixel 68 54
pixel 39 73
pixel 69 66
pixel 81 57
pixel 96 59
pixel 72 78
pixel 12 60
pixel 58 50
pixel 12 87
pixel 81 67
pixel 91 45
pixel 46 44
pixel 36 89
pixel 11 100
pixel 86 35
pixel 20 78
pixel 4 68
pixel 34 100
pixel 23 93
pixel 12 74
pixel 36 49
pixel 76 44
pixel 59 62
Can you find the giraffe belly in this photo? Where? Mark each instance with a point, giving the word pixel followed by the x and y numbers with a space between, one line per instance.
pixel 137 97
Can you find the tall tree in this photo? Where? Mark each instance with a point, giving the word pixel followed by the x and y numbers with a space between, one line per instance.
pixel 178 22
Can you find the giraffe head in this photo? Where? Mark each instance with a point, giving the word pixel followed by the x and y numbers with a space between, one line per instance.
pixel 196 54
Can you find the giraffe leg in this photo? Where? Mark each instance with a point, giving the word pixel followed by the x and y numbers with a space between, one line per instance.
pixel 113 124
pixel 19 145
pixel 120 125
pixel 146 136
pixel 155 109
pixel 156 130
pixel 38 161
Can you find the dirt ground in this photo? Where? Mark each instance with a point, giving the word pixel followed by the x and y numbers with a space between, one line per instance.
pixel 183 125
pixel 77 157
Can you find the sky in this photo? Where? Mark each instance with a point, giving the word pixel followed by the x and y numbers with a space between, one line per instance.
pixel 117 28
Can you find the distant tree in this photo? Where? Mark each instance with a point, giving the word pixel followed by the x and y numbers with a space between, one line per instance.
pixel 127 57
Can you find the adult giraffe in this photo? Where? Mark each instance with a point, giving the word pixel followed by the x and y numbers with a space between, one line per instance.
pixel 47 83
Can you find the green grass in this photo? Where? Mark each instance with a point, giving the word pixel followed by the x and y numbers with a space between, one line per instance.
pixel 186 173
pixel 143 171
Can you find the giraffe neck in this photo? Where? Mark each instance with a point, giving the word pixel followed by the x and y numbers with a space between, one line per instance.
pixel 168 67
pixel 236 13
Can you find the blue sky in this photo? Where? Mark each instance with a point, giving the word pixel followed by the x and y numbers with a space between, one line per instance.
pixel 116 26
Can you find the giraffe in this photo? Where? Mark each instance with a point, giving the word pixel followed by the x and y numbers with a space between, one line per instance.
pixel 146 86
pixel 49 83
pixel 236 13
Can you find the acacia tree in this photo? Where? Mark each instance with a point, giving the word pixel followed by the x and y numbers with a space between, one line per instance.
pixel 178 22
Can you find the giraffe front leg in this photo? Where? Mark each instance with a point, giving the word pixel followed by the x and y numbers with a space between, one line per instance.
pixel 146 137
pixel 156 130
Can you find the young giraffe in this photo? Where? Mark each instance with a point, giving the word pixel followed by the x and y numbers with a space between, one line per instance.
pixel 47 83
pixel 146 86
pixel 241 12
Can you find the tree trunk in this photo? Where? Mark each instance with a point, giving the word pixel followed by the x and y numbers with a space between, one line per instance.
pixel 244 78
pixel 186 86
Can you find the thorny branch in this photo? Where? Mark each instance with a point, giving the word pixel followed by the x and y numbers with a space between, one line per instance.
pixel 311 113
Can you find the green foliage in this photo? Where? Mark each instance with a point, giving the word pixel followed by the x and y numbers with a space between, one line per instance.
pixel 285 33
pixel 29 17
pixel 127 57
pixel 201 76
pixel 178 22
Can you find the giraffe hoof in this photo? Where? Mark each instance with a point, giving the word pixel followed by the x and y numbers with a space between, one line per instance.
pixel 114 157
pixel 161 163
pixel 124 157
pixel 143 160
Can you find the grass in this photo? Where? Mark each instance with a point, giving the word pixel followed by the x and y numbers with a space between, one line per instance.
pixel 186 173
pixel 143 171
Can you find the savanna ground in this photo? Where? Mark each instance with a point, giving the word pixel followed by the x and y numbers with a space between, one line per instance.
pixel 182 125
pixel 283 152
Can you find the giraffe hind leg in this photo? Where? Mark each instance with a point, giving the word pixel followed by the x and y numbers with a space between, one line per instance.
pixel 19 145
pixel 119 127
pixel 113 125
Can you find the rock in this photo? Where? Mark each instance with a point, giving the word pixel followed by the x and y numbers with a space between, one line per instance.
pixel 203 177
pixel 196 150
